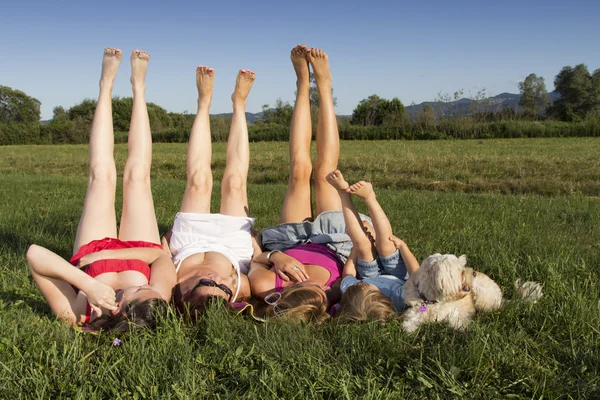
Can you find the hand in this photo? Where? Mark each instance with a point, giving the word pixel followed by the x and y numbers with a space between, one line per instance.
pixel 288 268
pixel 399 243
pixel 87 259
pixel 100 295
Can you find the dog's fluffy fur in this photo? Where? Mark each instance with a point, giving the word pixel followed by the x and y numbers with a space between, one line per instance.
pixel 444 289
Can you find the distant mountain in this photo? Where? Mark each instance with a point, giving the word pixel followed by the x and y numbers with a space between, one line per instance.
pixel 250 117
pixel 464 106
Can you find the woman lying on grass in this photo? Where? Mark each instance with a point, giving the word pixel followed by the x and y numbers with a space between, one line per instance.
pixel 383 268
pixel 299 274
pixel 116 286
pixel 213 251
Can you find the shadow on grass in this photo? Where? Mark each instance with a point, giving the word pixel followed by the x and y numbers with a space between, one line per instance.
pixel 15 298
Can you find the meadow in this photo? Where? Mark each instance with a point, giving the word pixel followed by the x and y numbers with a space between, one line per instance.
pixel 518 208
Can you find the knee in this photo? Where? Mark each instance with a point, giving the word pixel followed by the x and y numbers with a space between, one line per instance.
pixel 233 183
pixel 300 171
pixel 363 249
pixel 321 172
pixel 200 181
pixel 136 172
pixel 102 172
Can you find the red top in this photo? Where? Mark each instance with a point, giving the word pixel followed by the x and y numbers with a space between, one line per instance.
pixel 103 266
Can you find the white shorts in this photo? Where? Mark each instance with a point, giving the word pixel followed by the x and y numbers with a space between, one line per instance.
pixel 200 233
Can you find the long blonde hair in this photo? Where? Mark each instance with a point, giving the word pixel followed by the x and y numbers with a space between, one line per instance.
pixel 299 304
pixel 362 303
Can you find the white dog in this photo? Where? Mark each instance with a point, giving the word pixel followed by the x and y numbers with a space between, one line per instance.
pixel 444 289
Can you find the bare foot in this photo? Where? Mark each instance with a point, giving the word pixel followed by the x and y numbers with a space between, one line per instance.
pixel 110 65
pixel 320 65
pixel 139 66
pixel 300 63
pixel 243 83
pixel 205 78
pixel 336 179
pixel 362 189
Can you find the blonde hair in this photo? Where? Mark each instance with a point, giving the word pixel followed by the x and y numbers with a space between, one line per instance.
pixel 300 304
pixel 362 303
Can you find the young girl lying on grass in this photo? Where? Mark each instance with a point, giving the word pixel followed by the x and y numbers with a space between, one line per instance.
pixel 382 264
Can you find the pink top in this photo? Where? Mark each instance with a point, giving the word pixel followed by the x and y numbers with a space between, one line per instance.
pixel 316 254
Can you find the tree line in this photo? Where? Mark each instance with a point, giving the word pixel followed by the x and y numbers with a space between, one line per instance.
pixel 575 112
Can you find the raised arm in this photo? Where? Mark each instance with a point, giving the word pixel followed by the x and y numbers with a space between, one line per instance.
pixel 412 265
pixel 55 276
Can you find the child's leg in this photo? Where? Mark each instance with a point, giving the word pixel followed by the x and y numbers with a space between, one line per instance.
pixel 296 204
pixel 361 245
pixel 381 223
pixel 198 188
pixel 98 219
pixel 138 221
pixel 234 197
pixel 328 138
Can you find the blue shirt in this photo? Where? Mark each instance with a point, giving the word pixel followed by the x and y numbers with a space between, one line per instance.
pixel 390 285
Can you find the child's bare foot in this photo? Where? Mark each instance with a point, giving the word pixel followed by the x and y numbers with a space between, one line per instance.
pixel 362 189
pixel 336 179
pixel 139 66
pixel 110 65
pixel 300 63
pixel 320 65
pixel 205 78
pixel 243 83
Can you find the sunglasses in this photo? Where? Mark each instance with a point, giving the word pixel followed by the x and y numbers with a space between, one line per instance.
pixel 211 283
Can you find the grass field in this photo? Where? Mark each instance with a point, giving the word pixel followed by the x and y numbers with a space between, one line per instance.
pixel 526 209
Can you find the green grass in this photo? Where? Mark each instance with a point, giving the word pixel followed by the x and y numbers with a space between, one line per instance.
pixel 517 208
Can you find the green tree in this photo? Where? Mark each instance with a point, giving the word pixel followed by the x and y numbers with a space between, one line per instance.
pixel 394 113
pixel 281 114
pixel 425 119
pixel 16 106
pixel 534 96
pixel 59 114
pixel 577 90
pixel 369 111
pixel 375 110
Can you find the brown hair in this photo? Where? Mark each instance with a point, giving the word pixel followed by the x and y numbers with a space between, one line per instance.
pixel 362 303
pixel 299 304
pixel 137 314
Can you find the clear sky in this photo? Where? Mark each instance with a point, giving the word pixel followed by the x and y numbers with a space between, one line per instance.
pixel 52 50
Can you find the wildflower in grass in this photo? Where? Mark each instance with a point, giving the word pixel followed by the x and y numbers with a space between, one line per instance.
pixel 117 342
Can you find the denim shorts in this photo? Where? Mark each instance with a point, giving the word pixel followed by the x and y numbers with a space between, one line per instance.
pixel 328 228
pixel 388 265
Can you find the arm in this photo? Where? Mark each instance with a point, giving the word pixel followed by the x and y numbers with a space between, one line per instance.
pixel 54 276
pixel 412 265
pixel 288 268
pixel 350 266
pixel 146 254
pixel 262 280
pixel 163 276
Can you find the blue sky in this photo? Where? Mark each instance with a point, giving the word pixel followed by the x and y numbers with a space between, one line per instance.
pixel 410 50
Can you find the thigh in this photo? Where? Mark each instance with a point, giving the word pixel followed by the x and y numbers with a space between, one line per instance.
pixel 234 196
pixel 138 221
pixel 98 219
pixel 198 192
pixel 326 196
